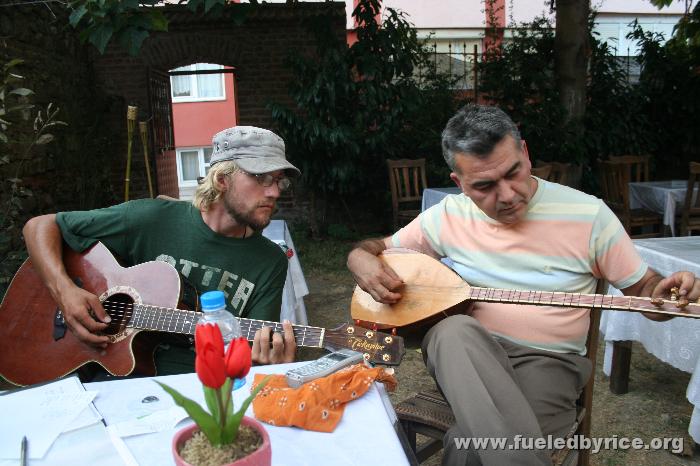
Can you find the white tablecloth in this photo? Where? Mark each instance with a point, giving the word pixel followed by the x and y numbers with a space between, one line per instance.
pixel 659 196
pixel 365 434
pixel 677 341
pixel 432 196
pixel 295 287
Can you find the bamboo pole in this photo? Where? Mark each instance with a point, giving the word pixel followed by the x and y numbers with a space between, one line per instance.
pixel 131 113
pixel 143 129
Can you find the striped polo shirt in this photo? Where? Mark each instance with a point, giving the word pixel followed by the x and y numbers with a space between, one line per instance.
pixel 565 243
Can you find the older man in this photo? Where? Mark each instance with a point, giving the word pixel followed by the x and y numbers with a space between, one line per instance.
pixel 215 243
pixel 512 371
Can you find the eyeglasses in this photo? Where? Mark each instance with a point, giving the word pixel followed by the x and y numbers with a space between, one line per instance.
pixel 266 180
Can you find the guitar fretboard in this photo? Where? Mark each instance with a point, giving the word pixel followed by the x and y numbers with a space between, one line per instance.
pixel 163 319
pixel 583 300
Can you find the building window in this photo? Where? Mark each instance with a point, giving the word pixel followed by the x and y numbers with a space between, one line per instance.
pixel 192 163
pixel 614 31
pixel 197 87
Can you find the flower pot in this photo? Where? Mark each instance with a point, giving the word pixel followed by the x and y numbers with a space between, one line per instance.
pixel 260 457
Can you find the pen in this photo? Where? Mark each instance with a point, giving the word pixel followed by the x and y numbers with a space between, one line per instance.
pixel 23 452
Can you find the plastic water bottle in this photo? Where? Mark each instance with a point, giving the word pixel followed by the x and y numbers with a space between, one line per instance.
pixel 214 312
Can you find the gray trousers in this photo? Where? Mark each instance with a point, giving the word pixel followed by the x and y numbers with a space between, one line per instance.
pixel 498 389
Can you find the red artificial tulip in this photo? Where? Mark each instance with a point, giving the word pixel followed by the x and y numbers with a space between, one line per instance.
pixel 222 422
pixel 238 358
pixel 209 361
pixel 208 335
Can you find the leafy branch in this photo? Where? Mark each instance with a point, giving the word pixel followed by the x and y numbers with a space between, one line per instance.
pixel 44 120
pixel 130 22
pixel 9 91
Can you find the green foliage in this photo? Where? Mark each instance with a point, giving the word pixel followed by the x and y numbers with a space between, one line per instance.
pixel 13 98
pixel 350 103
pixel 616 122
pixel 101 21
pixel 129 22
pixel 670 85
pixel 357 106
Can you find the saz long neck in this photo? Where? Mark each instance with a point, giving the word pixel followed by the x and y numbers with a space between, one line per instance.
pixel 164 319
pixel 591 301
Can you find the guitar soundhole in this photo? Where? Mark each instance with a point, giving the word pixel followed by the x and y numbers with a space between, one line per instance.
pixel 120 308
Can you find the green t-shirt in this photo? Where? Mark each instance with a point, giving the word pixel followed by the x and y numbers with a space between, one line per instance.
pixel 250 271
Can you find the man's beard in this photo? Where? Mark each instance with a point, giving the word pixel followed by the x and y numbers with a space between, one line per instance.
pixel 245 218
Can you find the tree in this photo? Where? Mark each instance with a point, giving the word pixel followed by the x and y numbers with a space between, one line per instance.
pixel 571 54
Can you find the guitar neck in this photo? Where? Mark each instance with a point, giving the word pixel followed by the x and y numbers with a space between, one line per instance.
pixel 582 300
pixel 163 319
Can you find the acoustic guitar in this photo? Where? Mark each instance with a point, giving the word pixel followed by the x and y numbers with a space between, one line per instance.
pixel 433 291
pixel 36 346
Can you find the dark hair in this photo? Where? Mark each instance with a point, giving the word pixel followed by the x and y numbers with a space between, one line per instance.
pixel 475 130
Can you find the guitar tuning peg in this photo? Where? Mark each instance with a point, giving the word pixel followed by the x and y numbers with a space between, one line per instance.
pixel 393 331
pixel 674 293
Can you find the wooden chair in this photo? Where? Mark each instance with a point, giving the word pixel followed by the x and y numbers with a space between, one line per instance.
pixel 428 413
pixel 542 171
pixel 614 182
pixel 639 166
pixel 690 218
pixel 407 180
pixel 558 172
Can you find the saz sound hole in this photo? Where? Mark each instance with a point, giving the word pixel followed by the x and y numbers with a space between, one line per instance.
pixel 120 308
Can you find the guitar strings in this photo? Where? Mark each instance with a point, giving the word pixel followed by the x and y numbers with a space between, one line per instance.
pixel 126 311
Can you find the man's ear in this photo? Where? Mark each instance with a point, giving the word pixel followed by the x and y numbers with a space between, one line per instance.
pixel 527 154
pixel 222 182
pixel 455 178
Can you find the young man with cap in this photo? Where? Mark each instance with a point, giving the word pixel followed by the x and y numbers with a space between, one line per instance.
pixel 215 243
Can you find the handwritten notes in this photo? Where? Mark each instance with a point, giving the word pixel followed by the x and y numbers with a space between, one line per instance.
pixel 42 413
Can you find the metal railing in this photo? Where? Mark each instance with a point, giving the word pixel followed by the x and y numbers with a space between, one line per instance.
pixel 457 64
pixel 460 66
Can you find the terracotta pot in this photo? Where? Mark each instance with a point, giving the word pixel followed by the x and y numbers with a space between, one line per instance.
pixel 260 457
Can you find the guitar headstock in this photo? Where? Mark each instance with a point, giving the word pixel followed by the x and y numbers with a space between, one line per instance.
pixel 378 347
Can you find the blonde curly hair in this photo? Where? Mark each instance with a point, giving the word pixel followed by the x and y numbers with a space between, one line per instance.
pixel 208 190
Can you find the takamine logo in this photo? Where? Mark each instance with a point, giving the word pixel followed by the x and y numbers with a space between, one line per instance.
pixel 359 344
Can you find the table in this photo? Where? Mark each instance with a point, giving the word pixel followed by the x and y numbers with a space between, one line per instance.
pixel 659 196
pixel 676 342
pixel 295 288
pixel 432 196
pixel 365 435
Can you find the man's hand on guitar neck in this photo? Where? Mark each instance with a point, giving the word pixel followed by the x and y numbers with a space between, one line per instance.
pixel 274 348
pixel 373 275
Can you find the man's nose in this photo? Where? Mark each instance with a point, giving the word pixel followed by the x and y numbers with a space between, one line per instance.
pixel 273 191
pixel 505 192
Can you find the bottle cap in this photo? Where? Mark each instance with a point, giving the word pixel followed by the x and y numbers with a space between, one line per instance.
pixel 212 300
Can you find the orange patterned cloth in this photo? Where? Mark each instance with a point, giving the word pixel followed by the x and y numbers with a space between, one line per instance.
pixel 317 405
